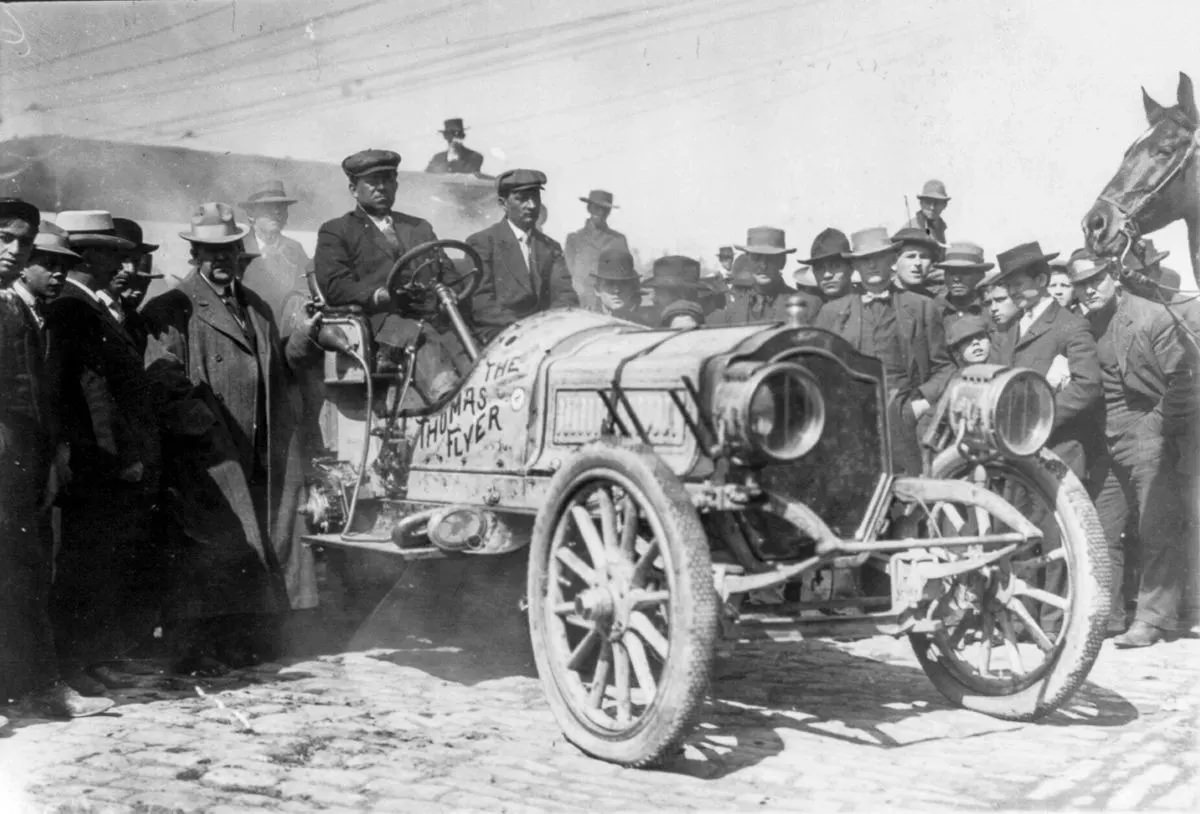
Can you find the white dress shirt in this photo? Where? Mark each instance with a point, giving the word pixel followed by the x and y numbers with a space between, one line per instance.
pixel 522 241
pixel 1031 316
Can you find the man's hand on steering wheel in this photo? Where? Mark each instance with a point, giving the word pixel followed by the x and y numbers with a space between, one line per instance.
pixel 423 275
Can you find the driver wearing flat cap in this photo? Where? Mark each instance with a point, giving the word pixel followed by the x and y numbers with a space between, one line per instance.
pixel 356 252
pixel 524 271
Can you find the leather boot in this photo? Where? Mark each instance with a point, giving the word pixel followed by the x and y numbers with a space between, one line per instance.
pixel 1143 634
pixel 59 700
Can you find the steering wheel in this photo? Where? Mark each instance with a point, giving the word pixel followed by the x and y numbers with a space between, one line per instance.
pixel 416 276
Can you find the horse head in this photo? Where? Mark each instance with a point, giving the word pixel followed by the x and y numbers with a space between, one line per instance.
pixel 1149 189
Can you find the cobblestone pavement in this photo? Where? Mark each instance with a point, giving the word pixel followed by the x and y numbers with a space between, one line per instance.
pixel 816 725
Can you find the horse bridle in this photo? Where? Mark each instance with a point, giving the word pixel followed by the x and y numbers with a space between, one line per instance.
pixel 1129 227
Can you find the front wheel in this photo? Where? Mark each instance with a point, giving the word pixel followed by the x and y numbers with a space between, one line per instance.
pixel 622 608
pixel 1021 634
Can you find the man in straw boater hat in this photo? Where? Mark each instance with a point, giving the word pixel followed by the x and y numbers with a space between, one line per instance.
pixel 277 273
pixel 234 471
pixel 456 158
pixel 618 288
pixel 1150 400
pixel 583 248
pixel 767 253
pixel 109 436
pixel 524 271
pixel 30 272
pixel 899 328
pixel 964 269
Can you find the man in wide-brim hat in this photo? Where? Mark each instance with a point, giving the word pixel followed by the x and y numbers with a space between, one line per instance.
pixel 766 251
pixel 232 418
pixel 583 248
pixel 932 200
pixel 132 282
pixel 457 157
pixel 829 263
pixel 674 277
pixel 964 267
pixel 277 274
pixel 1152 408
pixel 899 328
pixel 618 287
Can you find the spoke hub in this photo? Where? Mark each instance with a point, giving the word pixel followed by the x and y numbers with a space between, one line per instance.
pixel 597 605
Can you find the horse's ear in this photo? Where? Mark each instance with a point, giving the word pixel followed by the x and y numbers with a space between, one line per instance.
pixel 1187 98
pixel 1154 111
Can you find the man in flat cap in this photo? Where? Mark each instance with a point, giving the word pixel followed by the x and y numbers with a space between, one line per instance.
pixel 456 158
pixel 583 247
pixel 1150 400
pixel 899 328
pixel 234 470
pixel 107 421
pixel 768 300
pixel 32 269
pixel 524 271
pixel 356 252
pixel 933 201
pixel 277 273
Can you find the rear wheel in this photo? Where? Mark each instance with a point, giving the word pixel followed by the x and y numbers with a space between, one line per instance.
pixel 622 609
pixel 1020 634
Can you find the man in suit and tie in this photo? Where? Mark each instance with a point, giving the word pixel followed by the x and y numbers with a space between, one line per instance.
pixel 354 255
pixel 1150 401
pixel 28 663
pixel 1043 332
pixel 524 271
pixel 96 377
pixel 899 328
pixel 234 473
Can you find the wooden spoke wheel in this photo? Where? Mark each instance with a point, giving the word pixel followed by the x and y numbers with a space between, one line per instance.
pixel 1019 634
pixel 622 609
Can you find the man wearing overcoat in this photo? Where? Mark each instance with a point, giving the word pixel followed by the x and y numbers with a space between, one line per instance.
pixel 524 271
pixel 106 418
pixel 277 272
pixel 230 410
pixel 1150 402
pixel 583 248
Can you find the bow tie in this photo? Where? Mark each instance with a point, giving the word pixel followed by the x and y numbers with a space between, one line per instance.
pixel 882 296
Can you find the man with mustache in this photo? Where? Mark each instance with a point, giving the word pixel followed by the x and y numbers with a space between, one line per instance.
pixel 524 271
pixel 1150 402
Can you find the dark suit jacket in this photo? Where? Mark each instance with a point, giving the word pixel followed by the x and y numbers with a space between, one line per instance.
pixel 922 340
pixel 96 378
pixel 509 291
pixel 467 161
pixel 353 257
pixel 24 429
pixel 749 308
pixel 1058 332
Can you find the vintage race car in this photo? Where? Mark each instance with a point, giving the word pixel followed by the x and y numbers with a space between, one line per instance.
pixel 664 482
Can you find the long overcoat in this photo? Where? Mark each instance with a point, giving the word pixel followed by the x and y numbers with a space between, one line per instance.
pixel 510 290
pixel 582 251
pixel 205 363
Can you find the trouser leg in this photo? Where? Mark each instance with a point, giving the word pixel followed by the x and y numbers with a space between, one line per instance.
pixel 1113 505
pixel 1161 527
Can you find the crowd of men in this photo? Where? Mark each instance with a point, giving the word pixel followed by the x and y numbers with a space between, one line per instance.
pixel 172 436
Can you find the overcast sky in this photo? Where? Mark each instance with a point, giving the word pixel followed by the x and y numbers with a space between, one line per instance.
pixel 704 117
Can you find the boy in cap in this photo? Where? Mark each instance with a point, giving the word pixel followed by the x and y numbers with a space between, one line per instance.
pixel 968 341
pixel 1150 402
pixel 524 271
pixel 277 273
pixel 899 328
pixel 457 157
pixel 583 248
pixel 40 255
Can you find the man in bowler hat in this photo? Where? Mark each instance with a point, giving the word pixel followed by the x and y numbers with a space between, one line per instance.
pixel 457 157
pixel 829 263
pixel 1150 400
pixel 524 270
pixel 583 248
pixel 899 328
